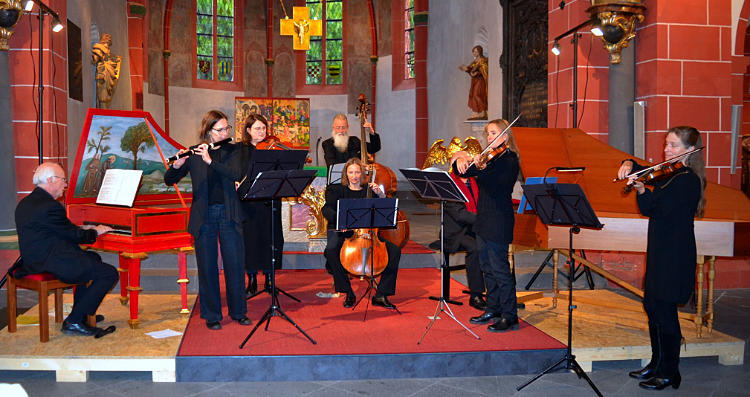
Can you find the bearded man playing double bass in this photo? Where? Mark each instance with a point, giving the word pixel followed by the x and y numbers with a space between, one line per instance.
pixel 340 147
pixel 352 187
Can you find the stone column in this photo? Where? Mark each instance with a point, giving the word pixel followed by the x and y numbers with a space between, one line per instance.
pixel 621 97
pixel 7 156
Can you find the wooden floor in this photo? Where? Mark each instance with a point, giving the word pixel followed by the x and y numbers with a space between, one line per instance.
pixel 599 334
pixel 602 332
pixel 71 357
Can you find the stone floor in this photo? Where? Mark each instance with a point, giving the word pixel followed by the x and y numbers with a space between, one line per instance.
pixel 701 376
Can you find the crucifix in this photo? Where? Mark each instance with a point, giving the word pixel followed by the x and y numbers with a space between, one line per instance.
pixel 301 27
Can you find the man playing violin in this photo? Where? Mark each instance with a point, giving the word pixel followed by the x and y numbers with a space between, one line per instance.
pixel 494 225
pixel 340 147
pixel 353 187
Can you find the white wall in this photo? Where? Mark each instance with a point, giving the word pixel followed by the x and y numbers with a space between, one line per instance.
pixel 395 121
pixel 109 17
pixel 455 27
pixel 187 106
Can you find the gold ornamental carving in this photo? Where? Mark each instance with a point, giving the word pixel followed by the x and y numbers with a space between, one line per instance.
pixel 10 13
pixel 617 20
pixel 440 155
pixel 314 199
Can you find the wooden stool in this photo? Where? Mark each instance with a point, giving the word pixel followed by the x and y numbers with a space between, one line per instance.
pixel 42 283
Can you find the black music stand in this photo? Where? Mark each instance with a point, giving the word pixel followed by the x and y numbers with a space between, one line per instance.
pixel 564 204
pixel 367 214
pixel 271 160
pixel 438 185
pixel 273 185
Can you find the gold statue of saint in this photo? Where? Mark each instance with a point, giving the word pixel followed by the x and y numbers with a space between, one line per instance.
pixel 478 71
pixel 107 70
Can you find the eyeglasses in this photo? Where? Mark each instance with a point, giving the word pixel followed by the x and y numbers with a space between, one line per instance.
pixel 60 177
pixel 227 128
pixel 341 128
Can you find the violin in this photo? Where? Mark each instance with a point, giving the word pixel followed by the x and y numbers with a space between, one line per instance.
pixel 272 142
pixel 487 157
pixel 489 153
pixel 658 172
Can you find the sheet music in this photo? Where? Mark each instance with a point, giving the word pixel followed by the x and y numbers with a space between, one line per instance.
pixel 119 187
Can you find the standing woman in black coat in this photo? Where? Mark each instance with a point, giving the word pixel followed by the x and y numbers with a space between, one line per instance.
pixel 671 253
pixel 215 214
pixel 258 214
pixel 494 225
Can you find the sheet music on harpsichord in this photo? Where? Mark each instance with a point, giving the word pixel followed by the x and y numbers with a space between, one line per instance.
pixel 119 187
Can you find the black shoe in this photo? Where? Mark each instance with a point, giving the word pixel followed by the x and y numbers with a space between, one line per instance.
pixel 503 325
pixel 644 373
pixel 99 318
pixel 478 302
pixel 484 318
pixel 78 329
pixel 242 321
pixel 214 325
pixel 267 281
pixel 252 284
pixel 383 301
pixel 661 383
pixel 350 298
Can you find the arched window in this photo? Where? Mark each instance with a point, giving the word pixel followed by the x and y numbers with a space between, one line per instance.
pixel 217 62
pixel 324 63
pixel 403 73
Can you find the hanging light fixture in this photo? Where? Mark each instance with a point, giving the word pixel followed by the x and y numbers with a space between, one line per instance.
pixel 556 48
pixel 617 19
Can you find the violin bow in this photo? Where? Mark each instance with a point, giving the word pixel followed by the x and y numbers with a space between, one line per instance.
pixel 671 160
pixel 489 146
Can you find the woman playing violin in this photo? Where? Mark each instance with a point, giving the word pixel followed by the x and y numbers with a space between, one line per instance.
pixel 671 254
pixel 258 214
pixel 353 187
pixel 494 225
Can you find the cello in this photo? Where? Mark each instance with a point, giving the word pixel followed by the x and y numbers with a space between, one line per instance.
pixel 364 253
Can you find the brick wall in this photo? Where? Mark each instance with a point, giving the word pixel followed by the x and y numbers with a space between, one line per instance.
pixel 593 73
pixel 24 79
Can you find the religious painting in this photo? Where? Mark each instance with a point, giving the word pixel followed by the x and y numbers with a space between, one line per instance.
pixel 113 139
pixel 288 118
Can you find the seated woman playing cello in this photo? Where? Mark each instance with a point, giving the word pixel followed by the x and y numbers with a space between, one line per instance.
pixel 352 187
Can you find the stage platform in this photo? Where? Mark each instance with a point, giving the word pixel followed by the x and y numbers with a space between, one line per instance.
pixel 382 346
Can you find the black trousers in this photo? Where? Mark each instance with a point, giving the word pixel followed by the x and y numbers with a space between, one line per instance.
pixel 664 329
pixel 474 275
pixel 501 285
pixel 86 299
pixel 387 284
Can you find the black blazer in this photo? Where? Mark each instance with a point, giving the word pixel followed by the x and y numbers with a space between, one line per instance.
pixel 353 149
pixel 458 221
pixel 230 171
pixel 495 217
pixel 671 253
pixel 49 241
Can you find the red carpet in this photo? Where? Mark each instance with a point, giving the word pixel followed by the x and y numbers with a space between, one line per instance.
pixel 342 331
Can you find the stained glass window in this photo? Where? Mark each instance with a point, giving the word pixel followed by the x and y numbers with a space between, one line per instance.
pixel 408 39
pixel 214 44
pixel 324 61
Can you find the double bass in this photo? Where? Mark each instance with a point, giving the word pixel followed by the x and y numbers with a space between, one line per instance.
pixel 386 179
